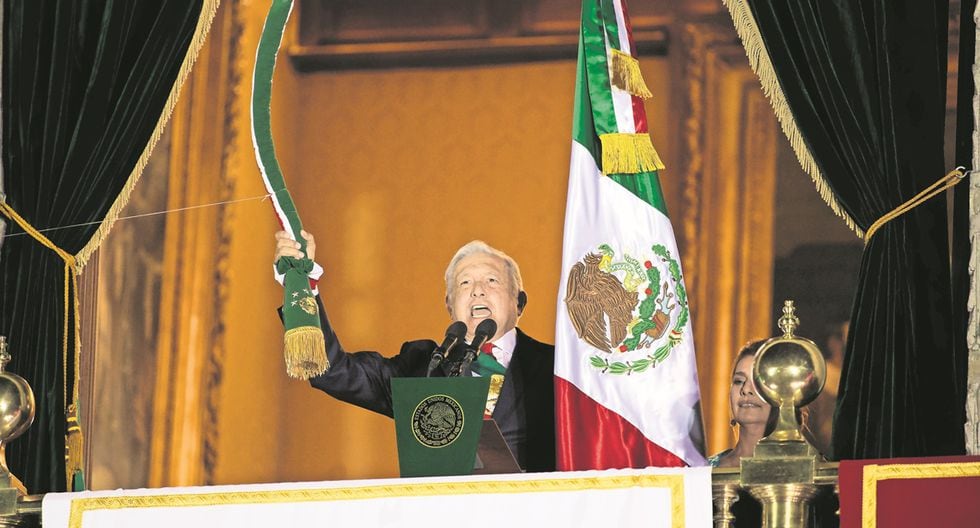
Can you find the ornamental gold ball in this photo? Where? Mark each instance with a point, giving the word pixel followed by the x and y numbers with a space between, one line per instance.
pixel 789 368
pixel 16 400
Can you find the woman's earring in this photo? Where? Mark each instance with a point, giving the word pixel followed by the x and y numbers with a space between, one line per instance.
pixel 732 423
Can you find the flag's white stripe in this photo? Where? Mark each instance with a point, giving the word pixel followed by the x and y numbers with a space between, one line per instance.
pixel 624 38
pixel 622 100
pixel 287 226
pixel 661 401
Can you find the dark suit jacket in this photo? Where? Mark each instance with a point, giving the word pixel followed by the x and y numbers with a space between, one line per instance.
pixel 524 411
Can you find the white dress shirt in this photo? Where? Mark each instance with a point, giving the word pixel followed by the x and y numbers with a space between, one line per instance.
pixel 503 348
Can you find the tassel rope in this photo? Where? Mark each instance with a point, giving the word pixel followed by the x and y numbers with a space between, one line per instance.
pixel 73 431
pixel 941 185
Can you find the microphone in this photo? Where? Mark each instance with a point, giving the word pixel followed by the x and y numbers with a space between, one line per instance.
pixel 484 331
pixel 454 334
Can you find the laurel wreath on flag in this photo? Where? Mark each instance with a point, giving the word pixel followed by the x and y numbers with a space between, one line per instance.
pixel 676 334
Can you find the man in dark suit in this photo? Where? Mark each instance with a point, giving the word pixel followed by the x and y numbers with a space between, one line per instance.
pixel 481 283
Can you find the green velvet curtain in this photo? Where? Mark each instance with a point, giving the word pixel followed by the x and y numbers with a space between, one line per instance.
pixel 865 82
pixel 84 85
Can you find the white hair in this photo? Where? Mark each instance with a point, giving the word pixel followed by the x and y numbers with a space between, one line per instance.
pixel 480 247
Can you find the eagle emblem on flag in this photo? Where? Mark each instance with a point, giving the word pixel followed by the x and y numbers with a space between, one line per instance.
pixel 631 310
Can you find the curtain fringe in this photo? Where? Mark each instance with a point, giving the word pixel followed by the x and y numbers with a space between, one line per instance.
pixel 761 63
pixel 208 11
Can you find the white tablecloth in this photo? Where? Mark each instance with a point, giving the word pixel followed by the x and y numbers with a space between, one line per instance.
pixel 621 498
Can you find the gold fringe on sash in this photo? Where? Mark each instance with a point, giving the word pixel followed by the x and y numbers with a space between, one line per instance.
pixel 626 74
pixel 197 42
pixel 629 154
pixel 748 32
pixel 306 355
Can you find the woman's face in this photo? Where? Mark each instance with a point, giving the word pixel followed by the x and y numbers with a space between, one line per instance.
pixel 747 406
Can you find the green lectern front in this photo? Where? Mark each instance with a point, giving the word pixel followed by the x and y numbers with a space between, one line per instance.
pixel 438 423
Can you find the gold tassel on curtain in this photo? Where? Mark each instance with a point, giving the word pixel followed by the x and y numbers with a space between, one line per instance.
pixel 73 432
pixel 74 439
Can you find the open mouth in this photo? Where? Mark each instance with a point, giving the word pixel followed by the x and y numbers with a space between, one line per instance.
pixel 479 311
pixel 749 405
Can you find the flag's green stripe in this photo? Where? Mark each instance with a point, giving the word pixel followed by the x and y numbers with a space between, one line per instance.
pixel 265 63
pixel 646 186
pixel 296 272
pixel 583 128
pixel 609 20
pixel 593 104
pixel 597 69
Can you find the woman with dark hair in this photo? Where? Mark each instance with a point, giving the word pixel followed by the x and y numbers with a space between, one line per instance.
pixel 753 416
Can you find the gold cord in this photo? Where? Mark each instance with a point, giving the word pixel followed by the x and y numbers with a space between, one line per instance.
pixel 71 286
pixel 949 180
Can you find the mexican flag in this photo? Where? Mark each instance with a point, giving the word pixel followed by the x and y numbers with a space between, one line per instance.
pixel 625 374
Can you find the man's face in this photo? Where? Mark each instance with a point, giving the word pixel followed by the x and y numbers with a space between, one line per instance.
pixel 482 290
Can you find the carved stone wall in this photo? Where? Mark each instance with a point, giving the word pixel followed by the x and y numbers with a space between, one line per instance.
pixel 973 328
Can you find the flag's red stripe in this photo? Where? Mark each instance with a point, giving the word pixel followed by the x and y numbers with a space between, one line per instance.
pixel 281 220
pixel 639 115
pixel 639 112
pixel 591 436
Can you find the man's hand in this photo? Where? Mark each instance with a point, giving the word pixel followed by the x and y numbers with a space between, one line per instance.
pixel 287 247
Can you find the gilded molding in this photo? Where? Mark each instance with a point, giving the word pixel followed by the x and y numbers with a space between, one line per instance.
pixel 729 159
pixel 237 65
pixel 694 80
pixel 191 350
pixel 874 473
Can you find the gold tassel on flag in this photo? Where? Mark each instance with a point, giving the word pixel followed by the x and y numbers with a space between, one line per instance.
pixel 629 154
pixel 626 74
pixel 306 355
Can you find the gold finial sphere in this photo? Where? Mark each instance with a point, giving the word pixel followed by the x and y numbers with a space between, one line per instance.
pixel 16 400
pixel 789 372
